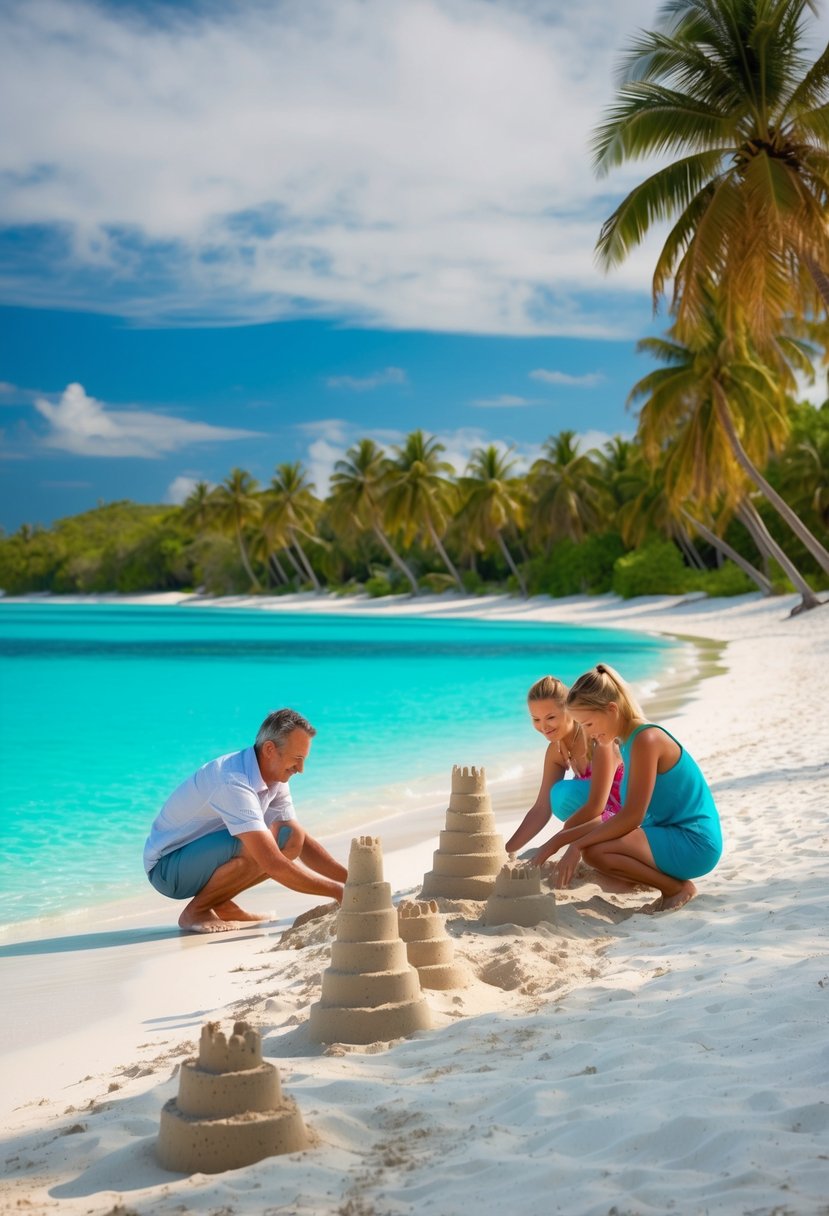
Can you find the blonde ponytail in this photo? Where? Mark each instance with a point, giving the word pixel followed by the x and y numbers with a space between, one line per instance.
pixel 603 686
pixel 548 688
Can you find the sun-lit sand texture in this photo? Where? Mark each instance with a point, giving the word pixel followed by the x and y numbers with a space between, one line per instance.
pixel 230 1110
pixel 518 898
pixel 370 993
pixel 470 852
pixel 429 947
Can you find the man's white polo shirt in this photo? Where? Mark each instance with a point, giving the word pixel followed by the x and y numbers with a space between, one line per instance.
pixel 226 793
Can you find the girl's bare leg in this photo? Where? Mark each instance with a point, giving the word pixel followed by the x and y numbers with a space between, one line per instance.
pixel 629 857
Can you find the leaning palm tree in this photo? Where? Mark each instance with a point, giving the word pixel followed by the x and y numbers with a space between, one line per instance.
pixel 290 511
pixel 358 491
pixel 722 90
pixel 692 412
pixel 420 497
pixel 566 489
pixel 493 502
pixel 725 410
pixel 237 507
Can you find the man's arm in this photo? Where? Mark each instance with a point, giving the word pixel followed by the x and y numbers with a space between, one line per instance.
pixel 261 848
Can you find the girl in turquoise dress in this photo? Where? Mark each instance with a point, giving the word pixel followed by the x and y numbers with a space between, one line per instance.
pixel 668 830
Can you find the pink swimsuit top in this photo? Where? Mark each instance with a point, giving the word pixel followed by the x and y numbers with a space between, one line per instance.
pixel 614 798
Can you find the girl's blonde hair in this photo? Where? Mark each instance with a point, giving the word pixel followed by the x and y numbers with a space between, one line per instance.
pixel 603 686
pixel 548 688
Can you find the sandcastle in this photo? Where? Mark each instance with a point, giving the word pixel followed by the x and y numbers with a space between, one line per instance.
pixel 429 947
pixel 470 852
pixel 518 898
pixel 230 1109
pixel 370 992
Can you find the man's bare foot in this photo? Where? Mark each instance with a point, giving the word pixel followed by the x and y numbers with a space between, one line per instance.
pixel 231 911
pixel 204 922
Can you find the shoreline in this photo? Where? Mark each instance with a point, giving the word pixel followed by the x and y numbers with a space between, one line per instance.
pixel 728 996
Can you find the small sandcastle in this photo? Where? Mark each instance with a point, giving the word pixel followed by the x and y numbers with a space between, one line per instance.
pixel 470 852
pixel 230 1110
pixel 370 992
pixel 429 947
pixel 518 898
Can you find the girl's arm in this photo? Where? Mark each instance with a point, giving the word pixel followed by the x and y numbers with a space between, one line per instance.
pixel 540 812
pixel 644 757
pixel 603 765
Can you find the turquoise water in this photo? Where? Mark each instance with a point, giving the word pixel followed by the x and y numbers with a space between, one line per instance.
pixel 106 708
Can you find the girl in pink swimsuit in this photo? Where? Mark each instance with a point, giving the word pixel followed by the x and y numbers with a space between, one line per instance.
pixel 597 772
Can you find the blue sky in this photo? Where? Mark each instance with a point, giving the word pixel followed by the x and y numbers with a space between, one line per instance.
pixel 246 233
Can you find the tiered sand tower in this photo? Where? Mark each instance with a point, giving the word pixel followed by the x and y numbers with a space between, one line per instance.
pixel 230 1109
pixel 471 852
pixel 429 947
pixel 370 992
pixel 518 898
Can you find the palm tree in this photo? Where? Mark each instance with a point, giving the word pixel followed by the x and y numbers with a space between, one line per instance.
pixel 723 87
pixel 290 511
pixel 359 484
pixel 237 507
pixel 492 502
pixel 199 508
pixel 721 412
pixel 420 497
pixel 566 488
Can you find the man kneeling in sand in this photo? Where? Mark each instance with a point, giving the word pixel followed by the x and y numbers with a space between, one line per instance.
pixel 232 825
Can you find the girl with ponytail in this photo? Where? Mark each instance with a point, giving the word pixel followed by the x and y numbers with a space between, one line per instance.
pixel 668 829
pixel 597 772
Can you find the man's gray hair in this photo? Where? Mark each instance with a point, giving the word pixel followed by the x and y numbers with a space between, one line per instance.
pixel 280 724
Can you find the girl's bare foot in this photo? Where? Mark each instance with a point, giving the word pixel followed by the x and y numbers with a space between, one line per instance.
pixel 670 903
pixel 684 895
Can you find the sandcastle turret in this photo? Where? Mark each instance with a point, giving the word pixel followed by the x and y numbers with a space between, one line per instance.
pixel 470 852
pixel 370 992
pixel 429 947
pixel 230 1110
pixel 518 898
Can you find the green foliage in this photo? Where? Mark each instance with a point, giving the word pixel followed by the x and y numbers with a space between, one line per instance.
pixel 728 580
pixel 378 586
pixel 584 568
pixel 657 569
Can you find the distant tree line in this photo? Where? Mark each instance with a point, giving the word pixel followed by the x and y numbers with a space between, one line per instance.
pixel 400 521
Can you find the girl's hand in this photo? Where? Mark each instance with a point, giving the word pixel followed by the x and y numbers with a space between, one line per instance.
pixel 546 851
pixel 566 868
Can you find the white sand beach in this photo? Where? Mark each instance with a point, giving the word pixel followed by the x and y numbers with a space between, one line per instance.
pixel 610 1064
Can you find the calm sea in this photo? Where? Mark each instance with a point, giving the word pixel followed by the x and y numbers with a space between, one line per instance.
pixel 106 708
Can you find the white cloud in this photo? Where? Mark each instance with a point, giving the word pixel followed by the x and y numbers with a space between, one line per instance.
pixel 81 425
pixel 365 384
pixel 180 489
pixel 589 380
pixel 815 392
pixel 505 401
pixel 405 163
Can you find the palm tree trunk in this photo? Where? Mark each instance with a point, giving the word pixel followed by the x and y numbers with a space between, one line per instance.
pixel 759 530
pixel 780 505
pixel 717 542
pixel 444 555
pixel 245 559
pixel 308 568
pixel 300 573
pixel 502 544
pixel 689 548
pixel 395 556
pixel 278 569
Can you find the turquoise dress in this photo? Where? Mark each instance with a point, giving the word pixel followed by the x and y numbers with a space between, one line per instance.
pixel 681 823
